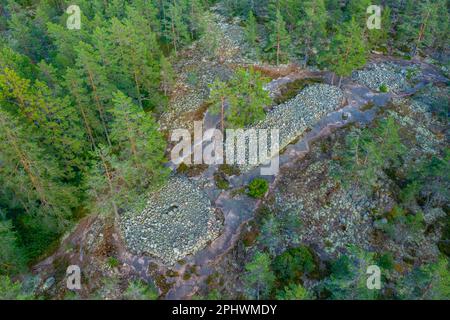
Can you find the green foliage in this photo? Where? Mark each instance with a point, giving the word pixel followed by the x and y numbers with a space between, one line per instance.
pixel 211 35
pixel 113 262
pixel 279 40
pixel 378 38
pixel 221 181
pixel 347 50
pixel 251 32
pixel 429 179
pixel 175 29
pixel 30 176
pixel 279 230
pixel 37 233
pixel 424 26
pixel 11 255
pixel 384 88
pixel 348 276
pixel 137 290
pixel 294 292
pixel 245 96
pixel 167 75
pixel 370 151
pixel 311 28
pixel 292 264
pixel 428 282
pixel 10 290
pixel 258 278
pixel 386 261
pixel 258 188
pixel 123 175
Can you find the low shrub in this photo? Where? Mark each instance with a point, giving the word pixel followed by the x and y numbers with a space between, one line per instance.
pixel 258 188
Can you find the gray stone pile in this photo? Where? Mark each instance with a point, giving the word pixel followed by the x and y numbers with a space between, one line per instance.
pixel 177 221
pixel 295 116
pixel 377 74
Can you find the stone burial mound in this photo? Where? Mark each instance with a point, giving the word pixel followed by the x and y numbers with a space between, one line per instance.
pixel 177 221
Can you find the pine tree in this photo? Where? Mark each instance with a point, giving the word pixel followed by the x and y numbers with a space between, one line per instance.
pixel 142 146
pixel 135 55
pixel 176 29
pixel 279 39
pixel 293 292
pixel 291 11
pixel 95 81
pixel 312 27
pixel 28 33
pixel 12 259
pixel 372 150
pixel 426 27
pixel 348 279
pixel 31 178
pixel 10 290
pixel 259 278
pixel 251 32
pixel 379 37
pixel 347 50
pixel 219 92
pixel 248 98
pixel 87 112
pixel 195 11
pixel 245 96
pixel 122 176
pixel 211 36
pixel 357 10
pixel 149 11
pixel 428 282
pixel 50 117
pixel 64 41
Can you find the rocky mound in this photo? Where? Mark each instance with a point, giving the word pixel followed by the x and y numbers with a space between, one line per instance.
pixel 390 75
pixel 177 221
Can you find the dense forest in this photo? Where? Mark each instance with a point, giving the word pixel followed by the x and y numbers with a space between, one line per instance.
pixel 80 112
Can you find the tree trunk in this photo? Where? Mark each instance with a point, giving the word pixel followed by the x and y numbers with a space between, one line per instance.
pixel 222 115
pixel 278 50
pixel 421 33
pixel 138 91
pixel 99 107
pixel 111 189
